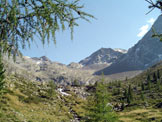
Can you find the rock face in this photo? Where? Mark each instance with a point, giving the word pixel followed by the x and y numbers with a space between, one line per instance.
pixel 102 58
pixel 75 65
pixel 43 69
pixel 43 58
pixel 144 54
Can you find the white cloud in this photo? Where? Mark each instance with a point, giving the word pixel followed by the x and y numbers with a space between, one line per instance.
pixel 151 21
pixel 143 30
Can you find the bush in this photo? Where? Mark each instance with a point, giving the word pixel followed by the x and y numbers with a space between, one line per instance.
pixel 33 99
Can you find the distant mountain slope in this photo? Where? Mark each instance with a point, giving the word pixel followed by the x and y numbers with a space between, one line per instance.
pixel 144 54
pixel 43 69
pixel 102 58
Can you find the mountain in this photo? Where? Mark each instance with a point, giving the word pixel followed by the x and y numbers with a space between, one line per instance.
pixel 43 69
pixel 102 58
pixel 142 55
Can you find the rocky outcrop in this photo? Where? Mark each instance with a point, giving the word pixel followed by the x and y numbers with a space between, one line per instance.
pixel 75 65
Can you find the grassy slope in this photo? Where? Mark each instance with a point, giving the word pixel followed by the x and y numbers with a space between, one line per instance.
pixel 29 101
pixel 141 115
pixel 140 110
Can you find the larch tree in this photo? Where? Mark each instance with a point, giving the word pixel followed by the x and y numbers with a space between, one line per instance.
pixel 154 77
pixel 21 20
pixel 99 109
pixel 152 5
pixel 2 77
pixel 142 86
pixel 158 74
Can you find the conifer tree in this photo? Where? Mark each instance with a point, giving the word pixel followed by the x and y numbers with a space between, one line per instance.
pixel 154 77
pixel 158 84
pixel 142 96
pixel 149 85
pixel 148 77
pixel 2 77
pixel 126 78
pixel 161 81
pixel 99 109
pixel 142 86
pixel 122 106
pixel 158 74
pixel 52 88
pixel 125 94
pixel 128 99
pixel 130 92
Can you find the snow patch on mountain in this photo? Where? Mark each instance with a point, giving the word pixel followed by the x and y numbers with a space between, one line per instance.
pixel 120 50
pixel 27 57
pixel 38 62
pixel 102 58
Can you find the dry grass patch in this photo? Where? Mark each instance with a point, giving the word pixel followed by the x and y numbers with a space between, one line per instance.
pixel 140 115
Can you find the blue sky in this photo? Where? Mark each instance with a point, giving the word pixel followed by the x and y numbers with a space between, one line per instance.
pixel 119 24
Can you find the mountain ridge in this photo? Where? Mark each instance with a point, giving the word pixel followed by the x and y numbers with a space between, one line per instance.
pixel 102 58
pixel 141 56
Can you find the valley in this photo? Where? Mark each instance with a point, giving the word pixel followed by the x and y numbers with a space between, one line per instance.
pixel 43 102
pixel 109 85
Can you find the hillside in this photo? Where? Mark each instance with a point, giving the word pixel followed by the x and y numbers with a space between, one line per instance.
pixel 31 101
pixel 146 102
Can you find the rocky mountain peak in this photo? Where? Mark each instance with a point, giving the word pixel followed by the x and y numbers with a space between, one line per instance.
pixel 142 55
pixel 42 58
pixel 102 57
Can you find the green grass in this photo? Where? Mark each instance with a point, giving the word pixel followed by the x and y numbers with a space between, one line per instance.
pixel 29 101
pixel 139 110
